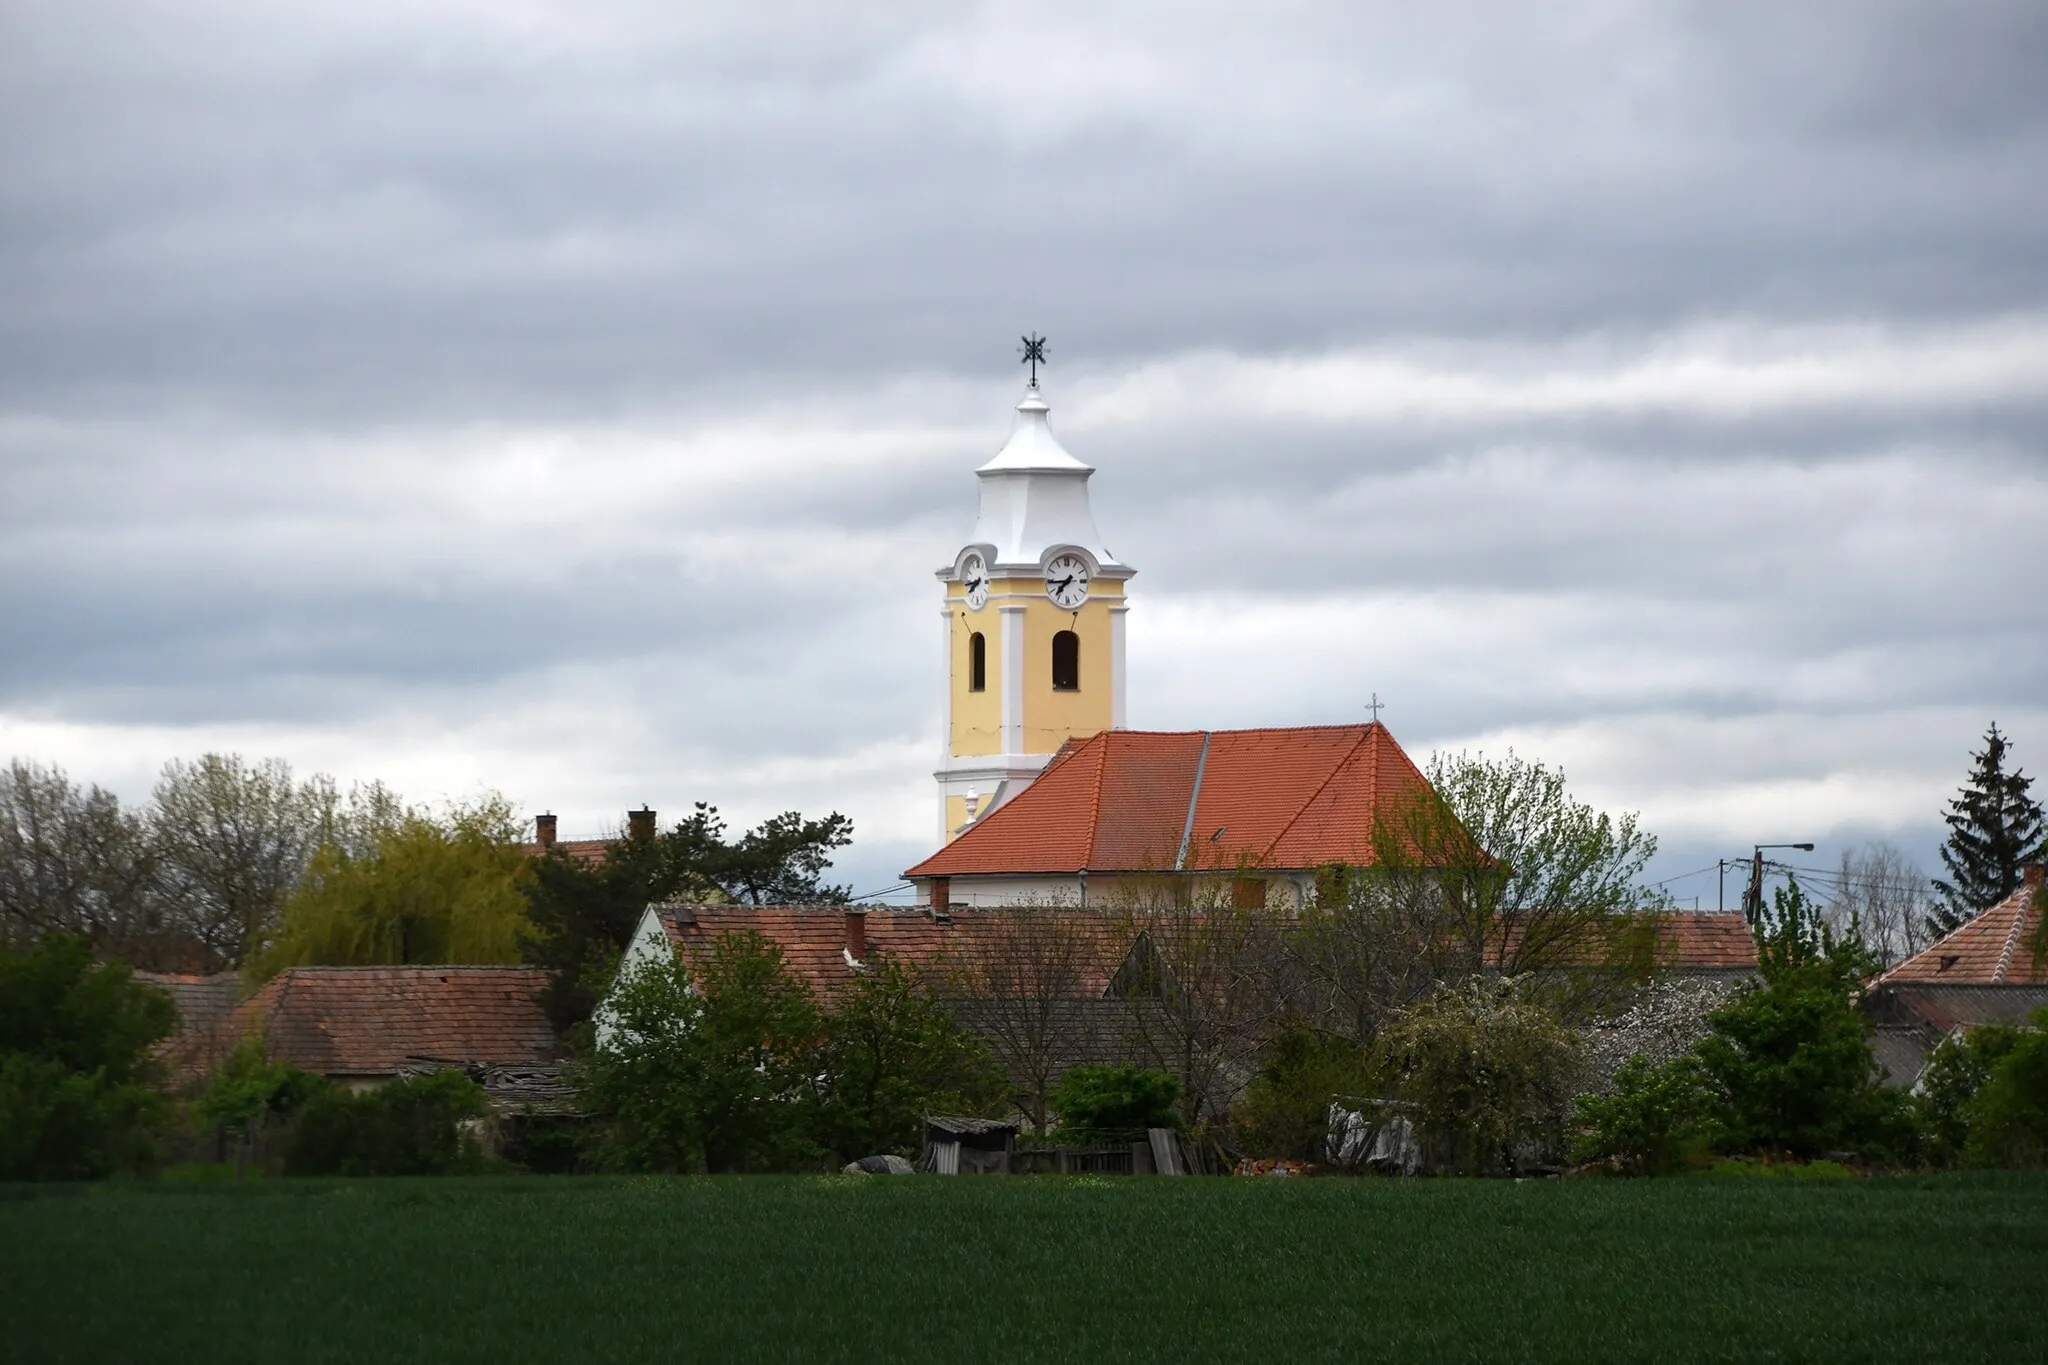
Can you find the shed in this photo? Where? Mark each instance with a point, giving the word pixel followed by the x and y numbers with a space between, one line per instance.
pixel 967 1146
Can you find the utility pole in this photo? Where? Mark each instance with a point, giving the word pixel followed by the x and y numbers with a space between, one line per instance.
pixel 1753 896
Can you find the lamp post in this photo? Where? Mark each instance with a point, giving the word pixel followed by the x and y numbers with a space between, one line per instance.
pixel 1753 898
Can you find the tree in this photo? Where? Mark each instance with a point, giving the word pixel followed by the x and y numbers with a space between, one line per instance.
pixel 1659 1117
pixel 247 1091
pixel 1118 1102
pixel 1791 1055
pixel 1201 984
pixel 1956 1070
pixel 1881 891
pixel 2008 1116
pixel 778 862
pixel 76 1067
pixel 232 839
pixel 416 889
pixel 1285 1111
pixel 1023 981
pixel 1534 878
pixel 1994 828
pixel 73 861
pixel 584 914
pixel 891 1055
pixel 1489 1070
pixel 711 1063
pixel 1494 867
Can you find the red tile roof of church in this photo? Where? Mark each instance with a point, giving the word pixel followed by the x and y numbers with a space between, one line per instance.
pixel 1124 800
pixel 1990 950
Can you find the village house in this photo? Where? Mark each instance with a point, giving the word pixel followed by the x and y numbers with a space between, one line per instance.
pixel 1986 972
pixel 362 1026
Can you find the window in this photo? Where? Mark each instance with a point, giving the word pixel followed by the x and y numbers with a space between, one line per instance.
pixel 1066 662
pixel 977 662
pixel 1248 893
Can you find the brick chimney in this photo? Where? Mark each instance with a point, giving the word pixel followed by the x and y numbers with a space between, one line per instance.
pixel 857 935
pixel 2030 876
pixel 544 830
pixel 942 894
pixel 640 825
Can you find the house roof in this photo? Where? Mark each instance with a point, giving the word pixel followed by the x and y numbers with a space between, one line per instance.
pixel 816 941
pixel 1704 941
pixel 589 852
pixel 1989 950
pixel 205 1005
pixel 366 1021
pixel 1150 800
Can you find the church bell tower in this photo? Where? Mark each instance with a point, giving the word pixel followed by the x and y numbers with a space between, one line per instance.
pixel 1033 622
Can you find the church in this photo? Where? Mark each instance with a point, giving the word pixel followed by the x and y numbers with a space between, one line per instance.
pixel 1045 793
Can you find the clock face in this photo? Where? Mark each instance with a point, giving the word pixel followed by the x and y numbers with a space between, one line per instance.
pixel 974 573
pixel 1066 581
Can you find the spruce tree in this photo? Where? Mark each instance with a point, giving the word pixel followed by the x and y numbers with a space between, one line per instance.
pixel 1993 828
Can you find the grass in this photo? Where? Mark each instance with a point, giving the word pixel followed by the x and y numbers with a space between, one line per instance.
pixel 1024 1270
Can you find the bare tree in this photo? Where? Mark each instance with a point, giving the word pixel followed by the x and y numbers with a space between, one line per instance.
pixel 1887 895
pixel 1029 980
pixel 1204 980
pixel 232 839
pixel 73 861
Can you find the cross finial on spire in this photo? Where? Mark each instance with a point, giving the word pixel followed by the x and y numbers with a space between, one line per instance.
pixel 1033 351
pixel 1375 706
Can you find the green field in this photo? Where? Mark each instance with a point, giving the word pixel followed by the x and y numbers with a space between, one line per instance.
pixel 951 1272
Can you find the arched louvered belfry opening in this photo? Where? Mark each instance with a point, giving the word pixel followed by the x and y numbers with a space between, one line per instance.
pixel 1066 662
pixel 977 662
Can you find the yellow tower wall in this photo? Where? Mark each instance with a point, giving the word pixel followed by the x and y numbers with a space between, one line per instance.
pixel 1050 717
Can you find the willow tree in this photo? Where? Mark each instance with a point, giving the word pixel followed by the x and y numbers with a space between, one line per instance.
pixel 417 887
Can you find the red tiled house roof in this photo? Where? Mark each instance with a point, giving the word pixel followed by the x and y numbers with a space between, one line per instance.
pixel 1139 800
pixel 817 941
pixel 1704 941
pixel 364 1021
pixel 206 1005
pixel 1990 950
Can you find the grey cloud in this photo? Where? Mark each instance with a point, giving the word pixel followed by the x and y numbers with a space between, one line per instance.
pixel 294 299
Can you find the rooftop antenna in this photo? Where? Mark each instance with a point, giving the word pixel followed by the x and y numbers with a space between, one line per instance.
pixel 1033 351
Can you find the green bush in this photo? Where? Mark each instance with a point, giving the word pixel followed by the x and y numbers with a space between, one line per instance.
pixel 1791 1056
pixel 1659 1119
pixel 1120 1100
pixel 1285 1111
pixel 247 1092
pixel 1956 1070
pixel 404 1127
pixel 711 1064
pixel 2008 1116
pixel 891 1055
pixel 1490 1073
pixel 76 1067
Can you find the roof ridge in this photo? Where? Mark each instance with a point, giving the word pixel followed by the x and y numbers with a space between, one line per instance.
pixel 1251 730
pixel 1095 796
pixel 1187 831
pixel 2012 937
pixel 1371 794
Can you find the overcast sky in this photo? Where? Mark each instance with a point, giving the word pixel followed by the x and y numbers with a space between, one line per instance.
pixel 575 400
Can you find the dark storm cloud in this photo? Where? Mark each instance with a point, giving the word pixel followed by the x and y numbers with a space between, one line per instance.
pixel 371 373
